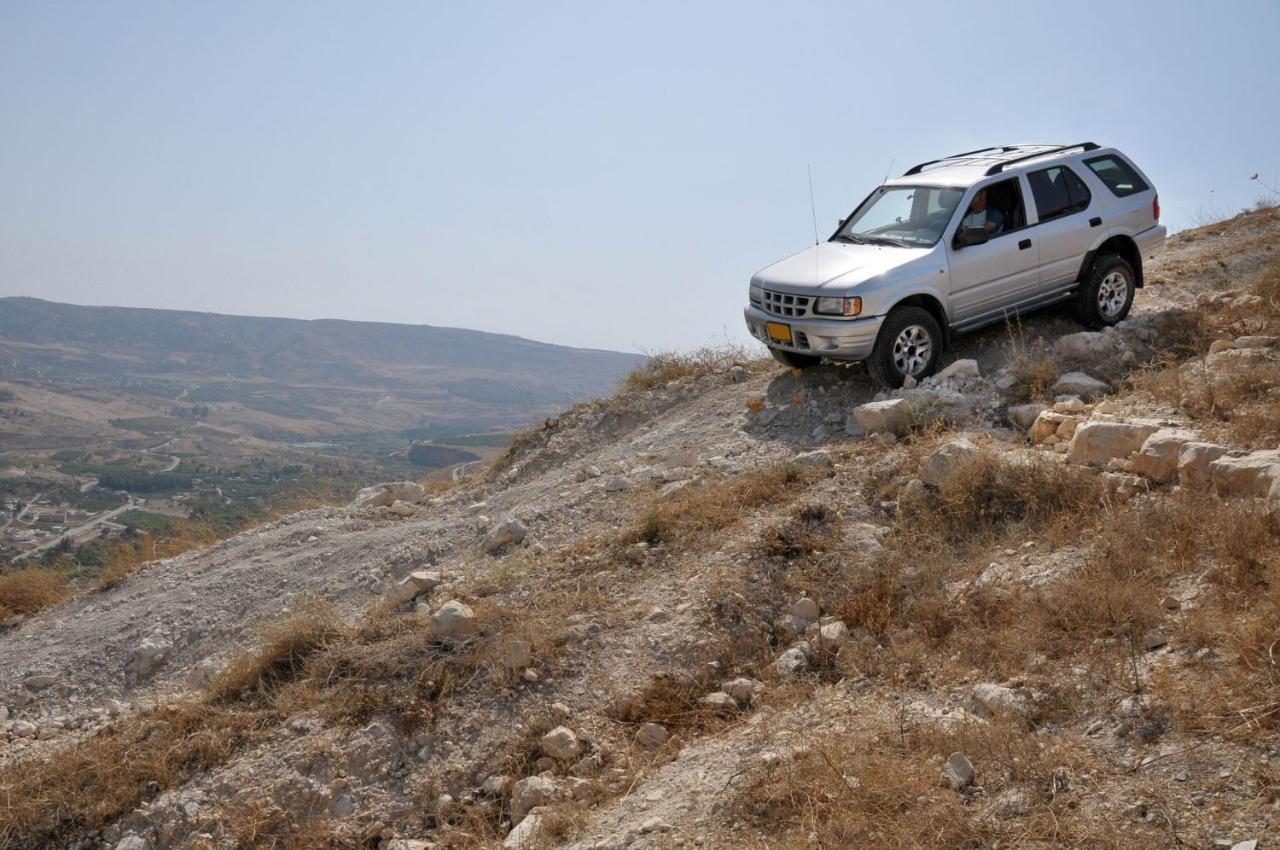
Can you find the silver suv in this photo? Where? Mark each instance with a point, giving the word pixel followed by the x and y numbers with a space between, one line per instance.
pixel 958 243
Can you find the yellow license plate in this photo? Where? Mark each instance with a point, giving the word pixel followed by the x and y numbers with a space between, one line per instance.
pixel 779 332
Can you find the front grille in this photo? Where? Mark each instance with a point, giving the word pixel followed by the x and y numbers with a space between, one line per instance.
pixel 785 304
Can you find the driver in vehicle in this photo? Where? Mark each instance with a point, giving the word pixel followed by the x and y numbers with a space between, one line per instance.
pixel 981 215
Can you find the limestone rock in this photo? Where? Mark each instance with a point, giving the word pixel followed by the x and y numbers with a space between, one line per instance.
pixel 145 659
pixel 1046 426
pixel 385 494
pixel 1023 415
pixel 818 458
pixel 40 681
pixel 402 508
pixel 958 772
pixel 1080 384
pixel 959 369
pixel 805 609
pixel 453 622
pixel 1097 442
pixel 1084 347
pixel 529 793
pixel 133 842
pixel 891 416
pixel 791 662
pixel 524 835
pixel 413 585
pixel 742 689
pixel 946 459
pixel 652 735
pixel 720 700
pixel 1193 463
pixel 989 699
pixel 1252 475
pixel 562 744
pixel 506 533
pixel 1158 458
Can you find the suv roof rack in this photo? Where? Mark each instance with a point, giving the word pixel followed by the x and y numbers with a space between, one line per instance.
pixel 1000 166
pixel 995 153
pixel 916 169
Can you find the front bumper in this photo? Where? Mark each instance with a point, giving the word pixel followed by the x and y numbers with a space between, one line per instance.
pixel 838 339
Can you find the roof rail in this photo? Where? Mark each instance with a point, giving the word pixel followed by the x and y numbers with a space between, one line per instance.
pixel 1000 166
pixel 916 169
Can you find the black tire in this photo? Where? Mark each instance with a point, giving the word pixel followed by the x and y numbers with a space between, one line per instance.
pixel 890 367
pixel 794 360
pixel 1099 303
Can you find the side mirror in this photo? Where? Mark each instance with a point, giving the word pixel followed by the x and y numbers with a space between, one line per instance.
pixel 971 236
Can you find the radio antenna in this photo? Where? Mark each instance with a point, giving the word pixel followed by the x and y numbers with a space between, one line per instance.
pixel 812 207
pixel 887 170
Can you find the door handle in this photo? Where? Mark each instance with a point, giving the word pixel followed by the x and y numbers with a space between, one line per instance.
pixel 1024 244
pixel 1095 222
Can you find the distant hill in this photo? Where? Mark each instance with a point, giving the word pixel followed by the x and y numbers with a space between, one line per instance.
pixel 279 378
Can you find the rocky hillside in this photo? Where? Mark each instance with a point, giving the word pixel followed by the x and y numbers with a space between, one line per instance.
pixel 1033 602
pixel 280 377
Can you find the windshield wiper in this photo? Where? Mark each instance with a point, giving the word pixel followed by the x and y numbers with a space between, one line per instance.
pixel 852 238
pixel 888 240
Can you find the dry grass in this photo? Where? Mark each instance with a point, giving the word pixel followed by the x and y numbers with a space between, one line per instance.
pixel 25 590
pixel 82 788
pixel 91 784
pixel 387 667
pixel 668 366
pixel 1030 362
pixel 674 699
pixel 988 495
pixel 879 786
pixel 710 506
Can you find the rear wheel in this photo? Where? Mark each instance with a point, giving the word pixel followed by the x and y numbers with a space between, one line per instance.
pixel 794 360
pixel 1106 293
pixel 909 343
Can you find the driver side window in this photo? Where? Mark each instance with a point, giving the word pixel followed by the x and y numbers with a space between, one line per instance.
pixel 1001 211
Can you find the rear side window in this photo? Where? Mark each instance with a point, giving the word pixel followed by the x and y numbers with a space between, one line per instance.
pixel 1119 176
pixel 1058 191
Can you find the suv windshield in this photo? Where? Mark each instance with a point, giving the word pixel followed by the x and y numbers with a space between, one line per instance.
pixel 909 216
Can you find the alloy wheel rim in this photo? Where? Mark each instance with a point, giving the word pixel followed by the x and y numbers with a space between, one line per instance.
pixel 911 350
pixel 1112 294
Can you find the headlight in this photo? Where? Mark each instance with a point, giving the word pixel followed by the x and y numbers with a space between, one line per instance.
pixel 838 306
pixel 756 294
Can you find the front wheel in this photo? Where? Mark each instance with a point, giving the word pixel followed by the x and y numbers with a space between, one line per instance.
pixel 909 343
pixel 1106 293
pixel 793 360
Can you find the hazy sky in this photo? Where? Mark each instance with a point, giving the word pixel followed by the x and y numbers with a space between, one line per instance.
pixel 596 173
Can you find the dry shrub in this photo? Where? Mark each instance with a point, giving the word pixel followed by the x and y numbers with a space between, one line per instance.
pixel 25 590
pixel 674 699
pixel 880 786
pixel 989 492
pixel 667 366
pixel 1031 363
pixel 285 647
pixel 812 527
pixel 261 825
pixel 712 505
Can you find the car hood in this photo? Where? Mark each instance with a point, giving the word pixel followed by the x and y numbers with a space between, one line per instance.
pixel 837 265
